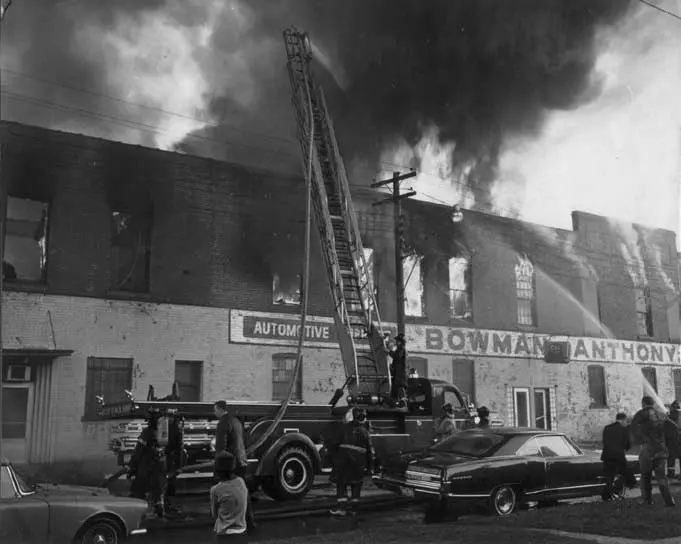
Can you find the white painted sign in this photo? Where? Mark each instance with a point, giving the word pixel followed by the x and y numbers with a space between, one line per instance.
pixel 283 330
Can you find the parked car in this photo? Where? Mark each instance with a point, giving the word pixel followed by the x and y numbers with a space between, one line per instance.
pixel 52 513
pixel 500 468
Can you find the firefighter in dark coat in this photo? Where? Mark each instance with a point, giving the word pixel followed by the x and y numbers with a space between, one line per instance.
pixel 398 369
pixel 147 466
pixel 616 444
pixel 354 457
pixel 174 460
pixel 650 428
pixel 674 452
pixel 229 437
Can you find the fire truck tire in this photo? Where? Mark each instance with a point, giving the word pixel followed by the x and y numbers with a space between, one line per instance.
pixel 294 476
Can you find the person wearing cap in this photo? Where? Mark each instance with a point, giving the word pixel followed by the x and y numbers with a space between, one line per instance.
pixel 674 411
pixel 228 501
pixel 616 444
pixel 354 456
pixel 649 428
pixel 483 417
pixel 398 354
pixel 447 425
pixel 147 466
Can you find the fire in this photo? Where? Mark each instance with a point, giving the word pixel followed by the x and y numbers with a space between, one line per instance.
pixel 438 177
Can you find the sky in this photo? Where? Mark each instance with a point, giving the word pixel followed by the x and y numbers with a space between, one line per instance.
pixel 208 77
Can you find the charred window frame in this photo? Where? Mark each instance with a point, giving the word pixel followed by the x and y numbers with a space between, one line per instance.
pixel 413 272
pixel 598 392
pixel 644 312
pixel 283 365
pixel 460 288
pixel 526 292
pixel 286 289
pixel 130 251
pixel 26 240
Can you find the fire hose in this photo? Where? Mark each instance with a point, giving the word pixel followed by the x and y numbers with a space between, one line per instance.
pixel 304 303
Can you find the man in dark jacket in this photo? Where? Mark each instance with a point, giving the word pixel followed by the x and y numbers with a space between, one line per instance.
pixel 229 437
pixel 675 451
pixel 354 456
pixel 649 428
pixel 616 444
pixel 398 392
pixel 483 416
pixel 147 466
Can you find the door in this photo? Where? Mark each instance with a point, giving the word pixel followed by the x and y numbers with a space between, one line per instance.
pixel 568 472
pixel 17 405
pixel 22 518
pixel 463 376
pixel 521 407
pixel 542 412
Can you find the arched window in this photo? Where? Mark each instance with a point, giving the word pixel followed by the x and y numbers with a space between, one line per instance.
pixel 526 294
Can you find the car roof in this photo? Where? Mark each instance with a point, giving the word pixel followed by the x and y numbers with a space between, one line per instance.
pixel 515 431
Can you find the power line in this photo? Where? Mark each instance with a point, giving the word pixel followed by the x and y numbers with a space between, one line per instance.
pixel 662 10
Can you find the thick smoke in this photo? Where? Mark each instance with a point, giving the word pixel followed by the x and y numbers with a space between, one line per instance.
pixel 480 70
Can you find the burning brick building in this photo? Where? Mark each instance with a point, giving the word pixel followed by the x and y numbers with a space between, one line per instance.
pixel 128 266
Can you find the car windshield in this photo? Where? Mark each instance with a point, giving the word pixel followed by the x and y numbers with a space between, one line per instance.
pixel 23 485
pixel 471 444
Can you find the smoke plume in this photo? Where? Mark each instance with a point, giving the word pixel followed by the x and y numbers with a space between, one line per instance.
pixel 210 76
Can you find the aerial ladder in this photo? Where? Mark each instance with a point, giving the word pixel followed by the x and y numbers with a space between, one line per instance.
pixel 347 268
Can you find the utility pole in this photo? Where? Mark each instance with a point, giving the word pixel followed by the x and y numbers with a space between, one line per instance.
pixel 4 6
pixel 396 199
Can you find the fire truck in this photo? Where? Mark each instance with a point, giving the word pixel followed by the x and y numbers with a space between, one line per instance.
pixel 285 441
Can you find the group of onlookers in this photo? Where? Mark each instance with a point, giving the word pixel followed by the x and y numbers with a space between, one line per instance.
pixel 658 435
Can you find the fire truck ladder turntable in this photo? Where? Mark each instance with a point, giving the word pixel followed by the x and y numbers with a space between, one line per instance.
pixel 348 273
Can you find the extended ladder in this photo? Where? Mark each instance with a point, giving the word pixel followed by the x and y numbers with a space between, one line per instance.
pixel 346 264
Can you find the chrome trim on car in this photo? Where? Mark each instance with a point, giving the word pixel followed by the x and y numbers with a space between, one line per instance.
pixel 564 488
pixel 420 487
pixel 138 532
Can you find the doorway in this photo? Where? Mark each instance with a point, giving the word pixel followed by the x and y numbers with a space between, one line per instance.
pixel 17 413
pixel 532 407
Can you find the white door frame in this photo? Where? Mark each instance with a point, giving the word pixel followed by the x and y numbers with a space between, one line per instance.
pixel 16 449
pixel 546 406
pixel 528 404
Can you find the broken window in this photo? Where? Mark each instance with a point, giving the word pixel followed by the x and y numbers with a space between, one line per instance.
pixel 26 241
pixel 460 288
pixel 130 251
pixel 525 291
pixel 286 288
pixel 644 312
pixel 413 285
pixel 367 278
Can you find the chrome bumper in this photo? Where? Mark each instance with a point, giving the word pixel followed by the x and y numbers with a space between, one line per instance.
pixel 401 486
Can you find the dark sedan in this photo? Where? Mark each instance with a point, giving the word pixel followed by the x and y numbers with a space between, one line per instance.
pixel 500 468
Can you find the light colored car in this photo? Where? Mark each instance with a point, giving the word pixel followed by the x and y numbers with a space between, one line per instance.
pixel 54 514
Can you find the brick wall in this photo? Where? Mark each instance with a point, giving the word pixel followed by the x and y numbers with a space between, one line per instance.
pixel 220 231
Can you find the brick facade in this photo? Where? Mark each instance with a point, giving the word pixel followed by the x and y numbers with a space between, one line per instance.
pixel 219 233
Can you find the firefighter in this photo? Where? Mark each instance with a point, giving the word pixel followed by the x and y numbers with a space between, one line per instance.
pixel 174 453
pixel 674 411
pixel 354 457
pixel 447 425
pixel 649 427
pixel 616 444
pixel 398 369
pixel 147 466
pixel 483 416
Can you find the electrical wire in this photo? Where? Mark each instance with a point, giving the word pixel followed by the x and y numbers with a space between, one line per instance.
pixel 662 10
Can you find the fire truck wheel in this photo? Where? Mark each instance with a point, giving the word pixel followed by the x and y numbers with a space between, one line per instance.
pixel 295 474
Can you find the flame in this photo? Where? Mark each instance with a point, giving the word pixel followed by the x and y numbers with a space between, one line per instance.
pixel 437 177
pixel 630 248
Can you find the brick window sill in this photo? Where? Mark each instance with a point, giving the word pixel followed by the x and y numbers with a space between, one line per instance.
pixel 128 295
pixel 31 287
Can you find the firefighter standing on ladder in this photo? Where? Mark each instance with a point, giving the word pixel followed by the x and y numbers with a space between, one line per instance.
pixel 398 369
pixel 353 458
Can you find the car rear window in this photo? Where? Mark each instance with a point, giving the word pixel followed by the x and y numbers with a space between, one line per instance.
pixel 471 444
